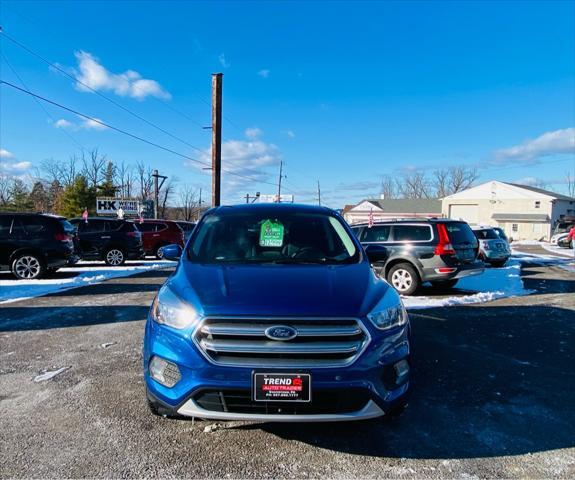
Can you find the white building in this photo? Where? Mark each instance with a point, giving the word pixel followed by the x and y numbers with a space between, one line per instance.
pixel 525 213
pixel 388 209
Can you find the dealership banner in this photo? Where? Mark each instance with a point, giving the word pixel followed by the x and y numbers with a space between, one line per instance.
pixel 111 206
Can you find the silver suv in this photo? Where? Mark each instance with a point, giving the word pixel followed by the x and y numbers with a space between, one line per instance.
pixel 493 249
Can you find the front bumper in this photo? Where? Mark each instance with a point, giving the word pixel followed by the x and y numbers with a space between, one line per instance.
pixel 369 374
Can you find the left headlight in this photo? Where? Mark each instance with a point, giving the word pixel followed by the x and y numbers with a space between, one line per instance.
pixel 170 310
pixel 389 312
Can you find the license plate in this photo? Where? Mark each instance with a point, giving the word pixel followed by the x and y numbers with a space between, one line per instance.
pixel 281 387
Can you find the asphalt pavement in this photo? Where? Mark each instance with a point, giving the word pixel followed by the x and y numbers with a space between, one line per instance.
pixel 493 395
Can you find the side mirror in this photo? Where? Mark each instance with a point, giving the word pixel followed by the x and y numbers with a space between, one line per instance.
pixel 376 253
pixel 172 252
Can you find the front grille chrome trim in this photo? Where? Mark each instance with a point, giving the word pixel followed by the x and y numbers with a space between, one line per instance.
pixel 344 337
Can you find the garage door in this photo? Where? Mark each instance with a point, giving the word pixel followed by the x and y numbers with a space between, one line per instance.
pixel 469 213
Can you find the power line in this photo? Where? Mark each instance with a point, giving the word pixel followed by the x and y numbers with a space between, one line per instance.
pixel 68 134
pixel 119 105
pixel 124 132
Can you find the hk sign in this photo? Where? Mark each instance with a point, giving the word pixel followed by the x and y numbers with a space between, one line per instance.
pixel 110 206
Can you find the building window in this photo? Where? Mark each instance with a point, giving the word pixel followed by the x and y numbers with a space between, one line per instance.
pixel 537 204
pixel 514 227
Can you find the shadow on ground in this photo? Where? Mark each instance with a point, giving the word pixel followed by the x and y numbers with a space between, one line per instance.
pixel 487 381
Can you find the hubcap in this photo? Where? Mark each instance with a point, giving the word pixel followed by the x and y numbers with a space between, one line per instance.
pixel 27 267
pixel 115 257
pixel 401 280
pixel 160 252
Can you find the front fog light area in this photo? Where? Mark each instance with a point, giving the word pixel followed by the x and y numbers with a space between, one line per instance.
pixel 396 375
pixel 164 372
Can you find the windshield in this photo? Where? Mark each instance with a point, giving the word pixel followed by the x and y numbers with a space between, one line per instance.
pixel 486 234
pixel 563 228
pixel 272 237
pixel 460 233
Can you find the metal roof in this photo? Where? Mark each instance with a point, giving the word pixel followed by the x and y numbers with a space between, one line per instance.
pixel 558 196
pixel 408 205
pixel 521 217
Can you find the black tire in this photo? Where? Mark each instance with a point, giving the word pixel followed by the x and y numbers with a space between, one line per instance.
pixel 158 252
pixel 404 278
pixel 498 263
pixel 445 283
pixel 28 266
pixel 114 257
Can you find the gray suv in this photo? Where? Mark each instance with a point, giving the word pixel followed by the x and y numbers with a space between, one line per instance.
pixel 440 251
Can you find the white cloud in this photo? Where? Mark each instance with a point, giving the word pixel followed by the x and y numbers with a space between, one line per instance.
pixel 83 124
pixel 128 84
pixel 92 124
pixel 265 73
pixel 289 133
pixel 15 167
pixel 550 143
pixel 253 132
pixel 63 123
pixel 222 60
pixel 5 153
pixel 251 159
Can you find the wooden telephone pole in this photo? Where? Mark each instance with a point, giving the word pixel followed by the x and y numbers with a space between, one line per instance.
pixel 318 194
pixel 216 137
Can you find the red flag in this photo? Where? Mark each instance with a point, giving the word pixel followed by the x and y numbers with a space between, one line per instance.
pixel 370 219
pixel 85 215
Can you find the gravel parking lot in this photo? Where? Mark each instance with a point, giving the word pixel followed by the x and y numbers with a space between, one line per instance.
pixel 493 395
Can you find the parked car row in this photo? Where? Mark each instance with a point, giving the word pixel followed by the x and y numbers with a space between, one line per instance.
pixel 439 251
pixel 33 244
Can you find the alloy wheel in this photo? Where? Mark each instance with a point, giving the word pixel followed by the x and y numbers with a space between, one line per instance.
pixel 27 267
pixel 114 257
pixel 401 280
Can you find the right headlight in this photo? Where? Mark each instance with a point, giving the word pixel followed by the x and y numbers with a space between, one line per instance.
pixel 170 310
pixel 389 311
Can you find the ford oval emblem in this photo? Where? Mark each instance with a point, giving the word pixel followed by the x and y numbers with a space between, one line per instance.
pixel 281 332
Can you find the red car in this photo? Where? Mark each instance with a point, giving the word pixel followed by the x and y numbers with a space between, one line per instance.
pixel 159 233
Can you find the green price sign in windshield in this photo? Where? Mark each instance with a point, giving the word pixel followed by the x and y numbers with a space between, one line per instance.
pixel 271 234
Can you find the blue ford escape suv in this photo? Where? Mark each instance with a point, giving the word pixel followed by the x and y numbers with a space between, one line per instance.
pixel 275 314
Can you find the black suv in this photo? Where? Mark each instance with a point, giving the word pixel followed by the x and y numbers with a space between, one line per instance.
pixel 439 251
pixel 109 239
pixel 32 244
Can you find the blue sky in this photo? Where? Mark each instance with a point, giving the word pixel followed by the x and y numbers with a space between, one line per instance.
pixel 343 92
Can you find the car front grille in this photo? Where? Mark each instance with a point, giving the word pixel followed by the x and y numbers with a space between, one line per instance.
pixel 243 342
pixel 322 402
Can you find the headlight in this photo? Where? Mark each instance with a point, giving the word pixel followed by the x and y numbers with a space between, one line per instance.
pixel 169 310
pixel 389 312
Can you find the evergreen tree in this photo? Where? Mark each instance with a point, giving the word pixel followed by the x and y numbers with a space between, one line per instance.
pixel 20 196
pixel 76 197
pixel 107 187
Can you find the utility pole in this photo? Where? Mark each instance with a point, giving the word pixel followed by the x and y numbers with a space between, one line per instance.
pixel 157 188
pixel 216 137
pixel 280 182
pixel 318 194
pixel 252 198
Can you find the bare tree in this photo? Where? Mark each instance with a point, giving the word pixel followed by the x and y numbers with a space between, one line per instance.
pixel 125 174
pixel 461 178
pixel 413 185
pixel 440 183
pixel 64 171
pixel 145 180
pixel 388 187
pixel 164 196
pixel 5 190
pixel 94 167
pixel 188 203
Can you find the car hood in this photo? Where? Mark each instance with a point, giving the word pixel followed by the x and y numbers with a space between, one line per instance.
pixel 279 290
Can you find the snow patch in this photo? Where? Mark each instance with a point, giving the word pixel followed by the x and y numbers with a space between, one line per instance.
pixel 12 290
pixel 49 374
pixel 494 283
